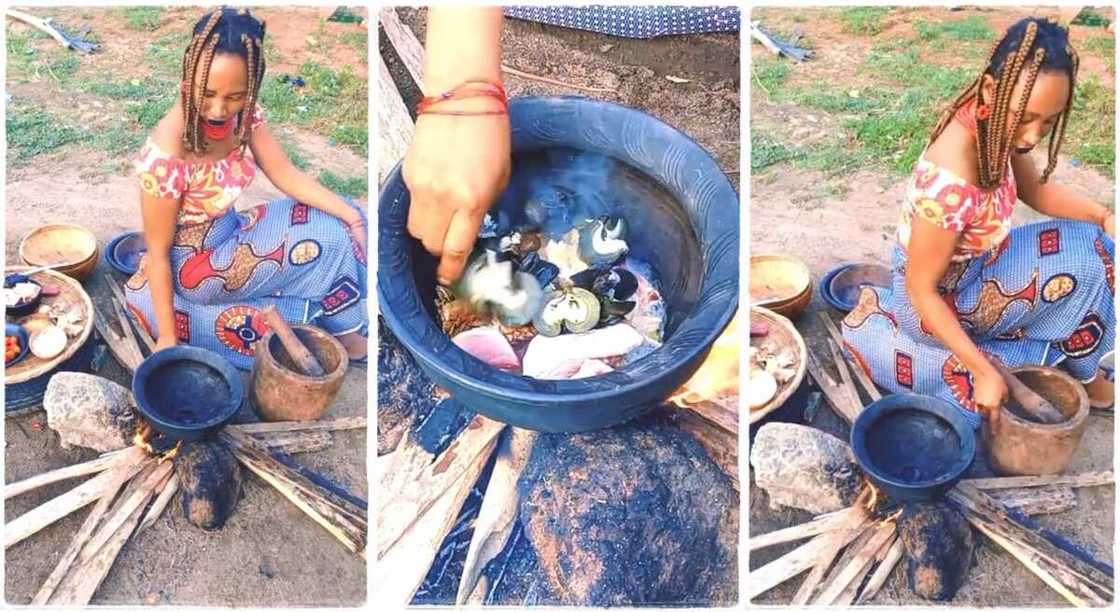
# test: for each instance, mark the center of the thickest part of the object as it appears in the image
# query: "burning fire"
(143, 438)
(718, 375)
(873, 497)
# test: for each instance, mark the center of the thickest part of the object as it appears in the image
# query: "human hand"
(165, 341)
(989, 392)
(358, 236)
(1109, 225)
(455, 169)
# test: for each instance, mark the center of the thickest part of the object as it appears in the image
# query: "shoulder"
(955, 151)
(168, 133)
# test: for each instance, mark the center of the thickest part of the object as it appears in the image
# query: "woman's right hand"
(989, 392)
(455, 168)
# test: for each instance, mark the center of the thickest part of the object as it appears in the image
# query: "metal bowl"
(124, 251)
(186, 392)
(913, 447)
(684, 221)
(13, 329)
(71, 249)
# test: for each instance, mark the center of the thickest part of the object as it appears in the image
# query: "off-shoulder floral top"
(206, 189)
(940, 196)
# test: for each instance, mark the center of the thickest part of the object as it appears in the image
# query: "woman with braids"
(209, 269)
(970, 290)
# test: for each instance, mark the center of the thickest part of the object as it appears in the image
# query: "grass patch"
(766, 151)
(352, 186)
(1092, 126)
(1089, 17)
(292, 151)
(771, 72)
(165, 54)
(359, 41)
(866, 20)
(33, 131)
(1105, 48)
(143, 18)
(332, 101)
(972, 28)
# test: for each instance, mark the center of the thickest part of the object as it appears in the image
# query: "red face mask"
(218, 132)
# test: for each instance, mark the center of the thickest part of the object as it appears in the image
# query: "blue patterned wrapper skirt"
(280, 253)
(1043, 297)
(633, 21)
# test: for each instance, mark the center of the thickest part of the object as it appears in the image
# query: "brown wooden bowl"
(782, 332)
(781, 283)
(71, 248)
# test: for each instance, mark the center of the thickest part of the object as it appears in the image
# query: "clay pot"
(1022, 447)
(278, 392)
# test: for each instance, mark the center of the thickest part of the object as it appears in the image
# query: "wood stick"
(882, 534)
(122, 473)
(824, 561)
(543, 79)
(787, 566)
(822, 524)
(282, 426)
(1084, 479)
(120, 349)
(850, 592)
(861, 376)
(340, 517)
(402, 568)
(126, 328)
(401, 508)
(140, 329)
(833, 392)
(395, 128)
(131, 455)
(498, 513)
(1037, 500)
(883, 572)
(84, 494)
(149, 480)
(297, 442)
(405, 43)
(845, 376)
(41, 25)
(1031, 562)
(304, 359)
(168, 490)
(1027, 398)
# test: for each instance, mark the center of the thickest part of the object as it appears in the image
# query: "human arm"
(298, 185)
(456, 166)
(159, 216)
(1056, 200)
(930, 254)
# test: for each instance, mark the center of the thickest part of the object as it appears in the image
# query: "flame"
(718, 375)
(873, 498)
(144, 434)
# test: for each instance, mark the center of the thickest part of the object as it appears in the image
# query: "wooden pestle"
(303, 357)
(1032, 402)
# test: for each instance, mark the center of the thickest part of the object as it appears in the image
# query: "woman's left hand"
(359, 238)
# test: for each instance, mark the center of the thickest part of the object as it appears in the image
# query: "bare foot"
(357, 345)
(1102, 392)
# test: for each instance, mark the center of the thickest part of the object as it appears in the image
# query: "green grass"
(33, 131)
(1092, 127)
(1088, 17)
(867, 20)
(359, 41)
(143, 18)
(972, 28)
(332, 101)
(771, 72)
(1105, 47)
(292, 151)
(353, 186)
(165, 54)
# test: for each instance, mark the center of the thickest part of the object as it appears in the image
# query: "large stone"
(90, 411)
(633, 515)
(804, 468)
(209, 483)
(939, 545)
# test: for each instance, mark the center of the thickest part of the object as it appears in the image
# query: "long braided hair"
(1030, 46)
(225, 30)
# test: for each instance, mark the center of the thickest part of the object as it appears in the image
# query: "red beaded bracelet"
(473, 88)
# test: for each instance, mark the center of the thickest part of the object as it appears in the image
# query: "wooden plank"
(394, 124)
(882, 572)
(405, 43)
(861, 376)
(789, 565)
(105, 462)
(822, 524)
(1084, 479)
(835, 394)
(281, 426)
(148, 485)
(119, 293)
(863, 557)
(401, 568)
(828, 555)
(1037, 500)
(845, 375)
(401, 508)
(165, 494)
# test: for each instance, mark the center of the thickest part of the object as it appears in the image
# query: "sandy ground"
(269, 553)
(789, 215)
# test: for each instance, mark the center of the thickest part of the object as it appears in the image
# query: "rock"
(938, 543)
(90, 411)
(804, 468)
(209, 483)
(633, 515)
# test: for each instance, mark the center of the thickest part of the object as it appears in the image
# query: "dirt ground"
(790, 214)
(269, 553)
(707, 108)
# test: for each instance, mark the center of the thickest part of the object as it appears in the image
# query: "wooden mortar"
(278, 392)
(1023, 447)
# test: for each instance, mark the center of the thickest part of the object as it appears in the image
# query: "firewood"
(789, 565)
(1084, 479)
(140, 329)
(80, 496)
(848, 596)
(863, 557)
(119, 347)
(296, 441)
(861, 375)
(304, 359)
(402, 568)
(401, 508)
(340, 517)
(836, 395)
(498, 513)
(824, 561)
(166, 492)
(1037, 500)
(282, 426)
(405, 43)
(822, 524)
(121, 474)
(131, 454)
(883, 571)
(147, 482)
(845, 375)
